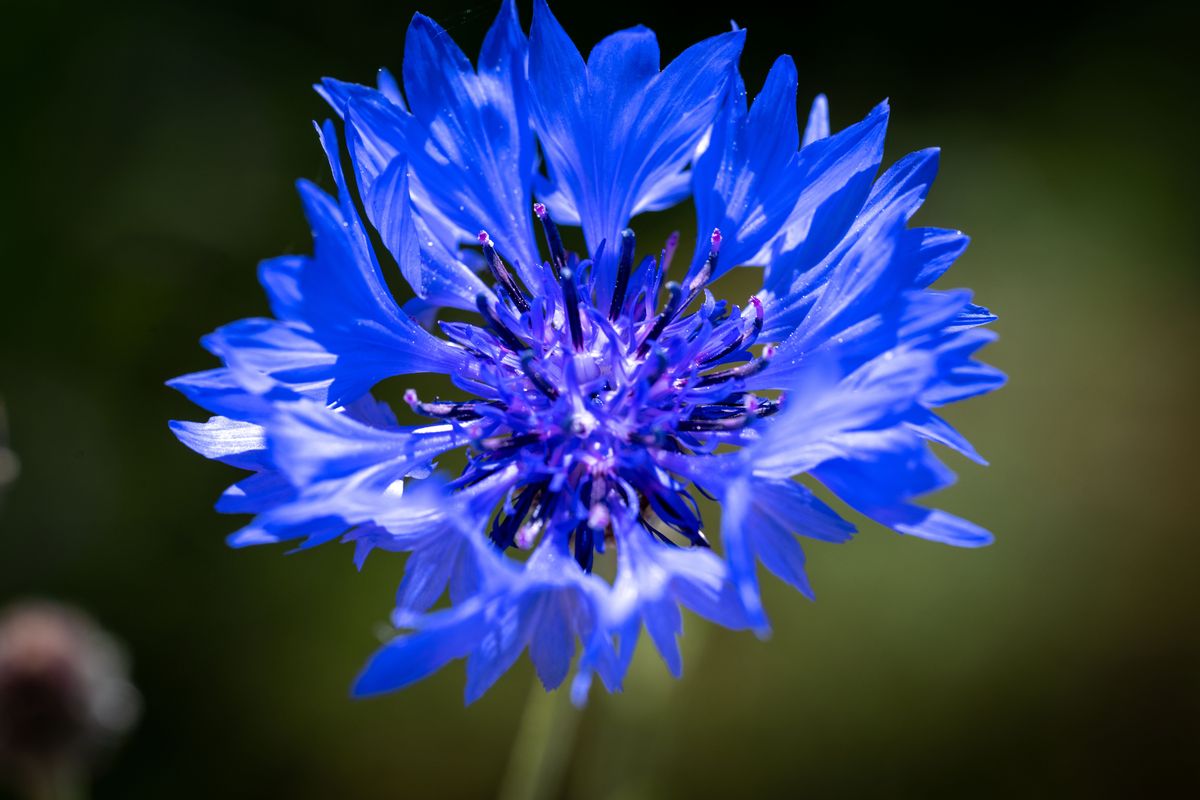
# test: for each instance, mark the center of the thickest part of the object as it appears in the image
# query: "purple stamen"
(624, 265)
(745, 339)
(664, 319)
(466, 411)
(558, 254)
(539, 382)
(501, 274)
(708, 269)
(669, 250)
(506, 337)
(571, 307)
(584, 552)
(752, 367)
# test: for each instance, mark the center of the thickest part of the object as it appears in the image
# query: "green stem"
(631, 765)
(542, 747)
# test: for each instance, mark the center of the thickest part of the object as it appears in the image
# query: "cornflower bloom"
(596, 394)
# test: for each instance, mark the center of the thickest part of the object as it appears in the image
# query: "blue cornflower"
(595, 395)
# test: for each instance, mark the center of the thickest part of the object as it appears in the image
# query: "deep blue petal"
(343, 332)
(903, 186)
(220, 392)
(434, 272)
(601, 179)
(817, 126)
(552, 646)
(747, 182)
(259, 492)
(932, 427)
(815, 416)
(664, 623)
(470, 140)
(836, 173)
(884, 472)
(312, 444)
(654, 579)
(960, 376)
(736, 521)
(883, 468)
(410, 657)
(939, 250)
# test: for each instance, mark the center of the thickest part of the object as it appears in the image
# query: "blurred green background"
(150, 151)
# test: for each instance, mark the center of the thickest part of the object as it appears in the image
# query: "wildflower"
(65, 695)
(597, 394)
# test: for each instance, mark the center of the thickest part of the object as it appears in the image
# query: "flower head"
(65, 694)
(597, 393)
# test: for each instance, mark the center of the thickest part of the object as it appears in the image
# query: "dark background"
(149, 155)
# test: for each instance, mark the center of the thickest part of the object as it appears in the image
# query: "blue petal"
(313, 444)
(967, 380)
(882, 468)
(427, 573)
(903, 187)
(817, 126)
(664, 623)
(240, 444)
(746, 182)
(972, 316)
(262, 353)
(343, 331)
(836, 173)
(737, 517)
(873, 272)
(434, 272)
(809, 429)
(259, 532)
(546, 608)
(259, 492)
(932, 427)
(782, 555)
(280, 277)
(340, 94)
(939, 250)
(552, 645)
(654, 579)
(935, 525)
(787, 506)
(864, 303)
(220, 392)
(441, 532)
(498, 648)
(960, 376)
(408, 658)
(882, 472)
(470, 138)
(760, 520)
(603, 179)
(389, 88)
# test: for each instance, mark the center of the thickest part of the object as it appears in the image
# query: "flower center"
(585, 381)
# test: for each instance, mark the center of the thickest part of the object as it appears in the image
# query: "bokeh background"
(149, 154)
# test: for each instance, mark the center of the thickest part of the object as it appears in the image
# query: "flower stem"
(542, 747)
